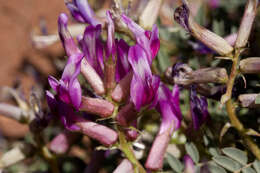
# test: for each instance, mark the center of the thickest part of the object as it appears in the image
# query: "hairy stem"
(231, 108)
(129, 154)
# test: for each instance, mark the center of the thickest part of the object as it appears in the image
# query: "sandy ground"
(17, 20)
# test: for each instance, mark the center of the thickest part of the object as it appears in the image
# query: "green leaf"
(163, 60)
(174, 163)
(256, 165)
(215, 169)
(248, 170)
(257, 99)
(192, 151)
(236, 154)
(227, 163)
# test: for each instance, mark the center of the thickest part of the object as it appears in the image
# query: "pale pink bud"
(103, 134)
(250, 65)
(92, 77)
(61, 143)
(124, 166)
(155, 158)
(97, 106)
(248, 100)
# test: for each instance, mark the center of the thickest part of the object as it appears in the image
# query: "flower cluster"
(121, 80)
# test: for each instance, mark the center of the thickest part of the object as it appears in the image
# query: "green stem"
(126, 148)
(231, 108)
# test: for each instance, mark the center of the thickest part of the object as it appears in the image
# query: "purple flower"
(73, 122)
(82, 12)
(199, 108)
(148, 40)
(122, 65)
(111, 47)
(144, 84)
(68, 87)
(167, 103)
(93, 48)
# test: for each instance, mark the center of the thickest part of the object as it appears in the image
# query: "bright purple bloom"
(111, 47)
(122, 65)
(76, 123)
(167, 103)
(82, 12)
(68, 87)
(144, 84)
(149, 40)
(199, 108)
(93, 48)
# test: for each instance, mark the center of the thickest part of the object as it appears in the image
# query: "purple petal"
(66, 38)
(144, 85)
(169, 107)
(181, 15)
(199, 109)
(54, 83)
(93, 48)
(111, 48)
(139, 62)
(82, 12)
(155, 42)
(148, 40)
(122, 65)
(75, 12)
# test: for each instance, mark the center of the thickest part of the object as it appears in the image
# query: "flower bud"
(250, 65)
(92, 77)
(150, 13)
(183, 75)
(156, 154)
(97, 106)
(209, 75)
(124, 166)
(248, 100)
(246, 23)
(103, 134)
(210, 39)
(61, 143)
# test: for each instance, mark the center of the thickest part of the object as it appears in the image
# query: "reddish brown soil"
(17, 20)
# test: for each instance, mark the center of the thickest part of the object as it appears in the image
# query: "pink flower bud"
(103, 134)
(248, 100)
(156, 154)
(92, 77)
(124, 166)
(97, 106)
(61, 143)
